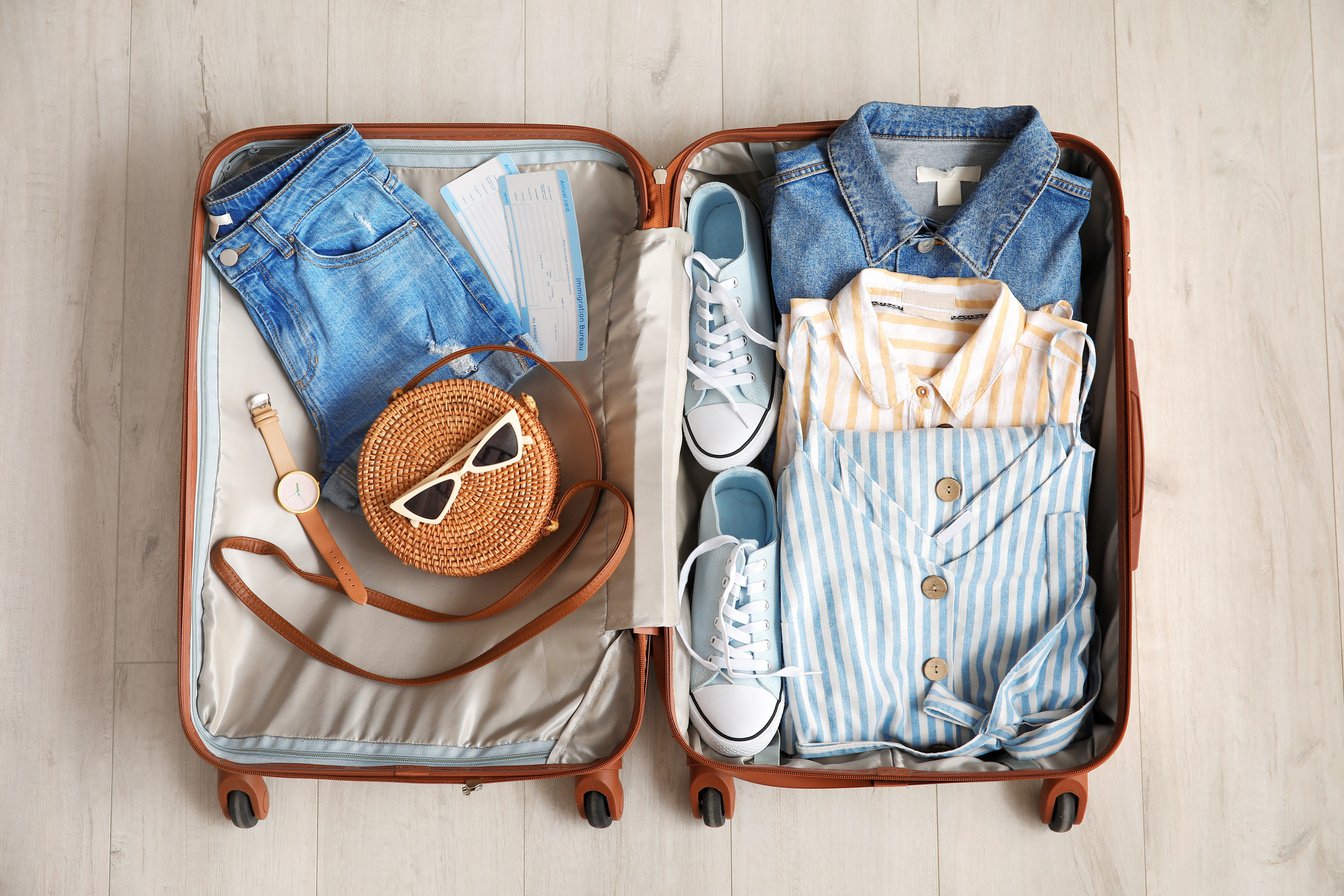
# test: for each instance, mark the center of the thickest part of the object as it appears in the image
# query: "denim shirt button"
(925, 246)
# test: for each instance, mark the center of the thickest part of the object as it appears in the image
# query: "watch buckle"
(258, 401)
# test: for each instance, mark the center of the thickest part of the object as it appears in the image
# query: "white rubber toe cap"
(736, 719)
(719, 438)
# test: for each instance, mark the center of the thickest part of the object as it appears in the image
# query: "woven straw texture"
(497, 517)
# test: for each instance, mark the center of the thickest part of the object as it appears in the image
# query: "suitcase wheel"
(599, 795)
(712, 795)
(1063, 802)
(1064, 812)
(711, 807)
(243, 799)
(240, 810)
(596, 810)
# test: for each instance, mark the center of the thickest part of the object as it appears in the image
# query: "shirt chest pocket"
(355, 222)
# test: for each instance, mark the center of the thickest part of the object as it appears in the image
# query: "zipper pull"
(471, 785)
(660, 175)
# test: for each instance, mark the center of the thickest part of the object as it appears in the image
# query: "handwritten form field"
(547, 262)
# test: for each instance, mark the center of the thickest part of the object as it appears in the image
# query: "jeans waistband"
(274, 197)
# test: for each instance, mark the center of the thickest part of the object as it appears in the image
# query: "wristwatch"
(297, 491)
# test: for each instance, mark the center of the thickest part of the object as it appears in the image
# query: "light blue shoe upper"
(740, 503)
(726, 228)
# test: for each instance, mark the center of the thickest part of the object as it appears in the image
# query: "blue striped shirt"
(861, 529)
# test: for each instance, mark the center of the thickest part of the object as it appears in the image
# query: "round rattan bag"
(495, 516)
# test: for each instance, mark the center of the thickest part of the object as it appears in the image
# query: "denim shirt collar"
(981, 227)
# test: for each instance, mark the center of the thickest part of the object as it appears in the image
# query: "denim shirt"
(854, 201)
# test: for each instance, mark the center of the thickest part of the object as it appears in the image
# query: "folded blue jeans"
(357, 285)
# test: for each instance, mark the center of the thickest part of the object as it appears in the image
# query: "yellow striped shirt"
(896, 351)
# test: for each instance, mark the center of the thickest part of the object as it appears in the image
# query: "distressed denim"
(853, 201)
(357, 285)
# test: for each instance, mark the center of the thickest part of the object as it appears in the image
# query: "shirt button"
(925, 246)
(228, 258)
(935, 669)
(948, 489)
(922, 391)
(934, 587)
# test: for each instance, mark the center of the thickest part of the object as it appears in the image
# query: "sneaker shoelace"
(740, 637)
(718, 354)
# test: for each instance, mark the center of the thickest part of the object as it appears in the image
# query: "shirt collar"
(982, 226)
(881, 369)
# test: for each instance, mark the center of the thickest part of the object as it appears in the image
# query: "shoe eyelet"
(753, 378)
(749, 360)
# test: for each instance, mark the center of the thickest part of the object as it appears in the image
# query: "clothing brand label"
(949, 182)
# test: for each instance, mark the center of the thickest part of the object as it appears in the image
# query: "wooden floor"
(1226, 119)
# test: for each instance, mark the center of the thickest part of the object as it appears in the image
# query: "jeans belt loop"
(268, 233)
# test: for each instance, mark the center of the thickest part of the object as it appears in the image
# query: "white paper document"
(475, 202)
(547, 263)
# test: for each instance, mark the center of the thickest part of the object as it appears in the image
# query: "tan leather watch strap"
(267, 421)
(325, 542)
(390, 604)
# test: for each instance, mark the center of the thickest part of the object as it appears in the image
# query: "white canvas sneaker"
(737, 696)
(733, 390)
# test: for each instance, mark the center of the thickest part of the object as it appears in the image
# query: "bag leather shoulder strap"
(387, 603)
(390, 604)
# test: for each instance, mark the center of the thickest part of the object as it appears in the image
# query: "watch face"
(297, 491)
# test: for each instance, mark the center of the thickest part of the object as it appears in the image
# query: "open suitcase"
(567, 703)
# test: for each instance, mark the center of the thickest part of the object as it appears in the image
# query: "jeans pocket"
(354, 222)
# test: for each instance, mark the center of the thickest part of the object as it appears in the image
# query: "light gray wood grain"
(991, 838)
(1239, 654)
(63, 94)
(567, 61)
(425, 60)
(169, 835)
(190, 88)
(629, 68)
(1327, 26)
(1056, 55)
(657, 848)
(1060, 59)
(835, 842)
(664, 74)
(804, 61)
(407, 838)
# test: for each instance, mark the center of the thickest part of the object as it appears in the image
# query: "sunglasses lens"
(429, 502)
(500, 448)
